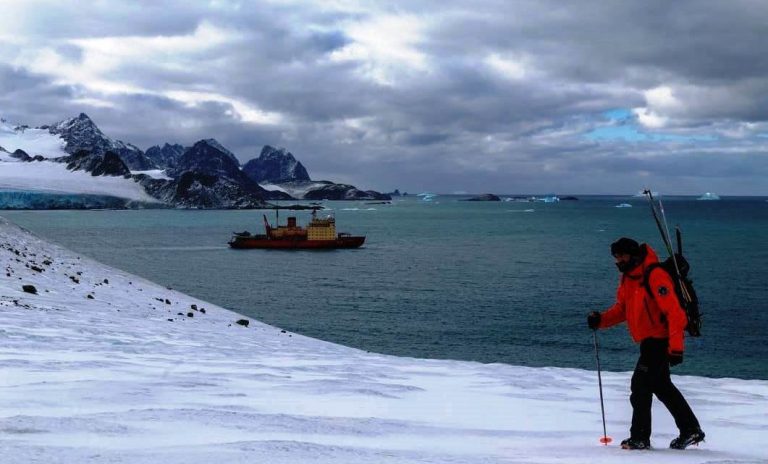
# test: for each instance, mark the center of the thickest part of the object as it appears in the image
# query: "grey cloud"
(457, 125)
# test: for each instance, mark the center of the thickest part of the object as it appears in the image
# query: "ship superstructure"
(319, 233)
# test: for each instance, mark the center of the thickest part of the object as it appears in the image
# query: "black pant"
(651, 377)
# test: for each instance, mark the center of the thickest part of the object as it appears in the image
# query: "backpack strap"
(647, 277)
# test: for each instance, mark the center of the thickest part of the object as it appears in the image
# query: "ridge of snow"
(111, 379)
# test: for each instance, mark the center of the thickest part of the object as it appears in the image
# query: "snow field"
(127, 376)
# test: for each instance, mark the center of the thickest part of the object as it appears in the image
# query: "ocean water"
(501, 282)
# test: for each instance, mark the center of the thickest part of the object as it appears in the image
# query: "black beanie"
(625, 246)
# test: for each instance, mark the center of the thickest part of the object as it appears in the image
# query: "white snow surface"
(53, 177)
(154, 173)
(111, 379)
(33, 141)
(296, 189)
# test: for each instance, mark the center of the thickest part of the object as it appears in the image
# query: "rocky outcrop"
(343, 192)
(208, 157)
(21, 155)
(484, 197)
(198, 190)
(108, 164)
(275, 165)
(81, 133)
(208, 175)
(166, 156)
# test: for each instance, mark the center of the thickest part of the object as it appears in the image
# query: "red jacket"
(657, 316)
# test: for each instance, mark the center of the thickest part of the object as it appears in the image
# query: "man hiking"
(656, 321)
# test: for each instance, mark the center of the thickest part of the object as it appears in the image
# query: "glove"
(675, 358)
(593, 320)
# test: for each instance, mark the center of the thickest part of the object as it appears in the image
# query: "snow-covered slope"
(50, 176)
(53, 177)
(102, 366)
(32, 141)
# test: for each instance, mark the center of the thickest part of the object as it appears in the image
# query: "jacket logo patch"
(663, 290)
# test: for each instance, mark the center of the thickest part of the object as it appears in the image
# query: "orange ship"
(319, 234)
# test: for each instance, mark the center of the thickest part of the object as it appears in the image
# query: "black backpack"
(686, 295)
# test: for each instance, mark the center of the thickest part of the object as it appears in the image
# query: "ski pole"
(605, 439)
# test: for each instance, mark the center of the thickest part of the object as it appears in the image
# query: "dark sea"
(494, 282)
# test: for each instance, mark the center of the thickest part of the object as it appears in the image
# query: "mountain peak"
(275, 165)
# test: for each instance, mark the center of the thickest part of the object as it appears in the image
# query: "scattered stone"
(170, 320)
(37, 269)
(282, 331)
(29, 289)
(190, 314)
(179, 314)
(106, 281)
(47, 262)
(74, 279)
(243, 322)
(79, 273)
(202, 310)
(90, 297)
(194, 306)
(167, 301)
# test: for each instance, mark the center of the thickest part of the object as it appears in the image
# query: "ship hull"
(292, 244)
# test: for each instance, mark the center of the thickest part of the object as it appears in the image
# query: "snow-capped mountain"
(208, 175)
(81, 133)
(205, 175)
(275, 165)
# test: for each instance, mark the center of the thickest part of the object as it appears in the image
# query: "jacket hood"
(650, 258)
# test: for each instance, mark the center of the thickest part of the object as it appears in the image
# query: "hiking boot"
(635, 444)
(687, 439)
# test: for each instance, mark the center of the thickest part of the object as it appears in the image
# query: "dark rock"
(193, 306)
(106, 281)
(202, 310)
(275, 165)
(90, 297)
(167, 301)
(170, 320)
(107, 164)
(179, 314)
(197, 190)
(484, 197)
(207, 157)
(166, 156)
(343, 192)
(243, 322)
(190, 314)
(21, 155)
(37, 269)
(29, 289)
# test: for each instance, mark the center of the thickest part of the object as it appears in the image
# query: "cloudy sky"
(422, 95)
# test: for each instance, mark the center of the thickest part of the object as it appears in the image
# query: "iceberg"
(709, 196)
